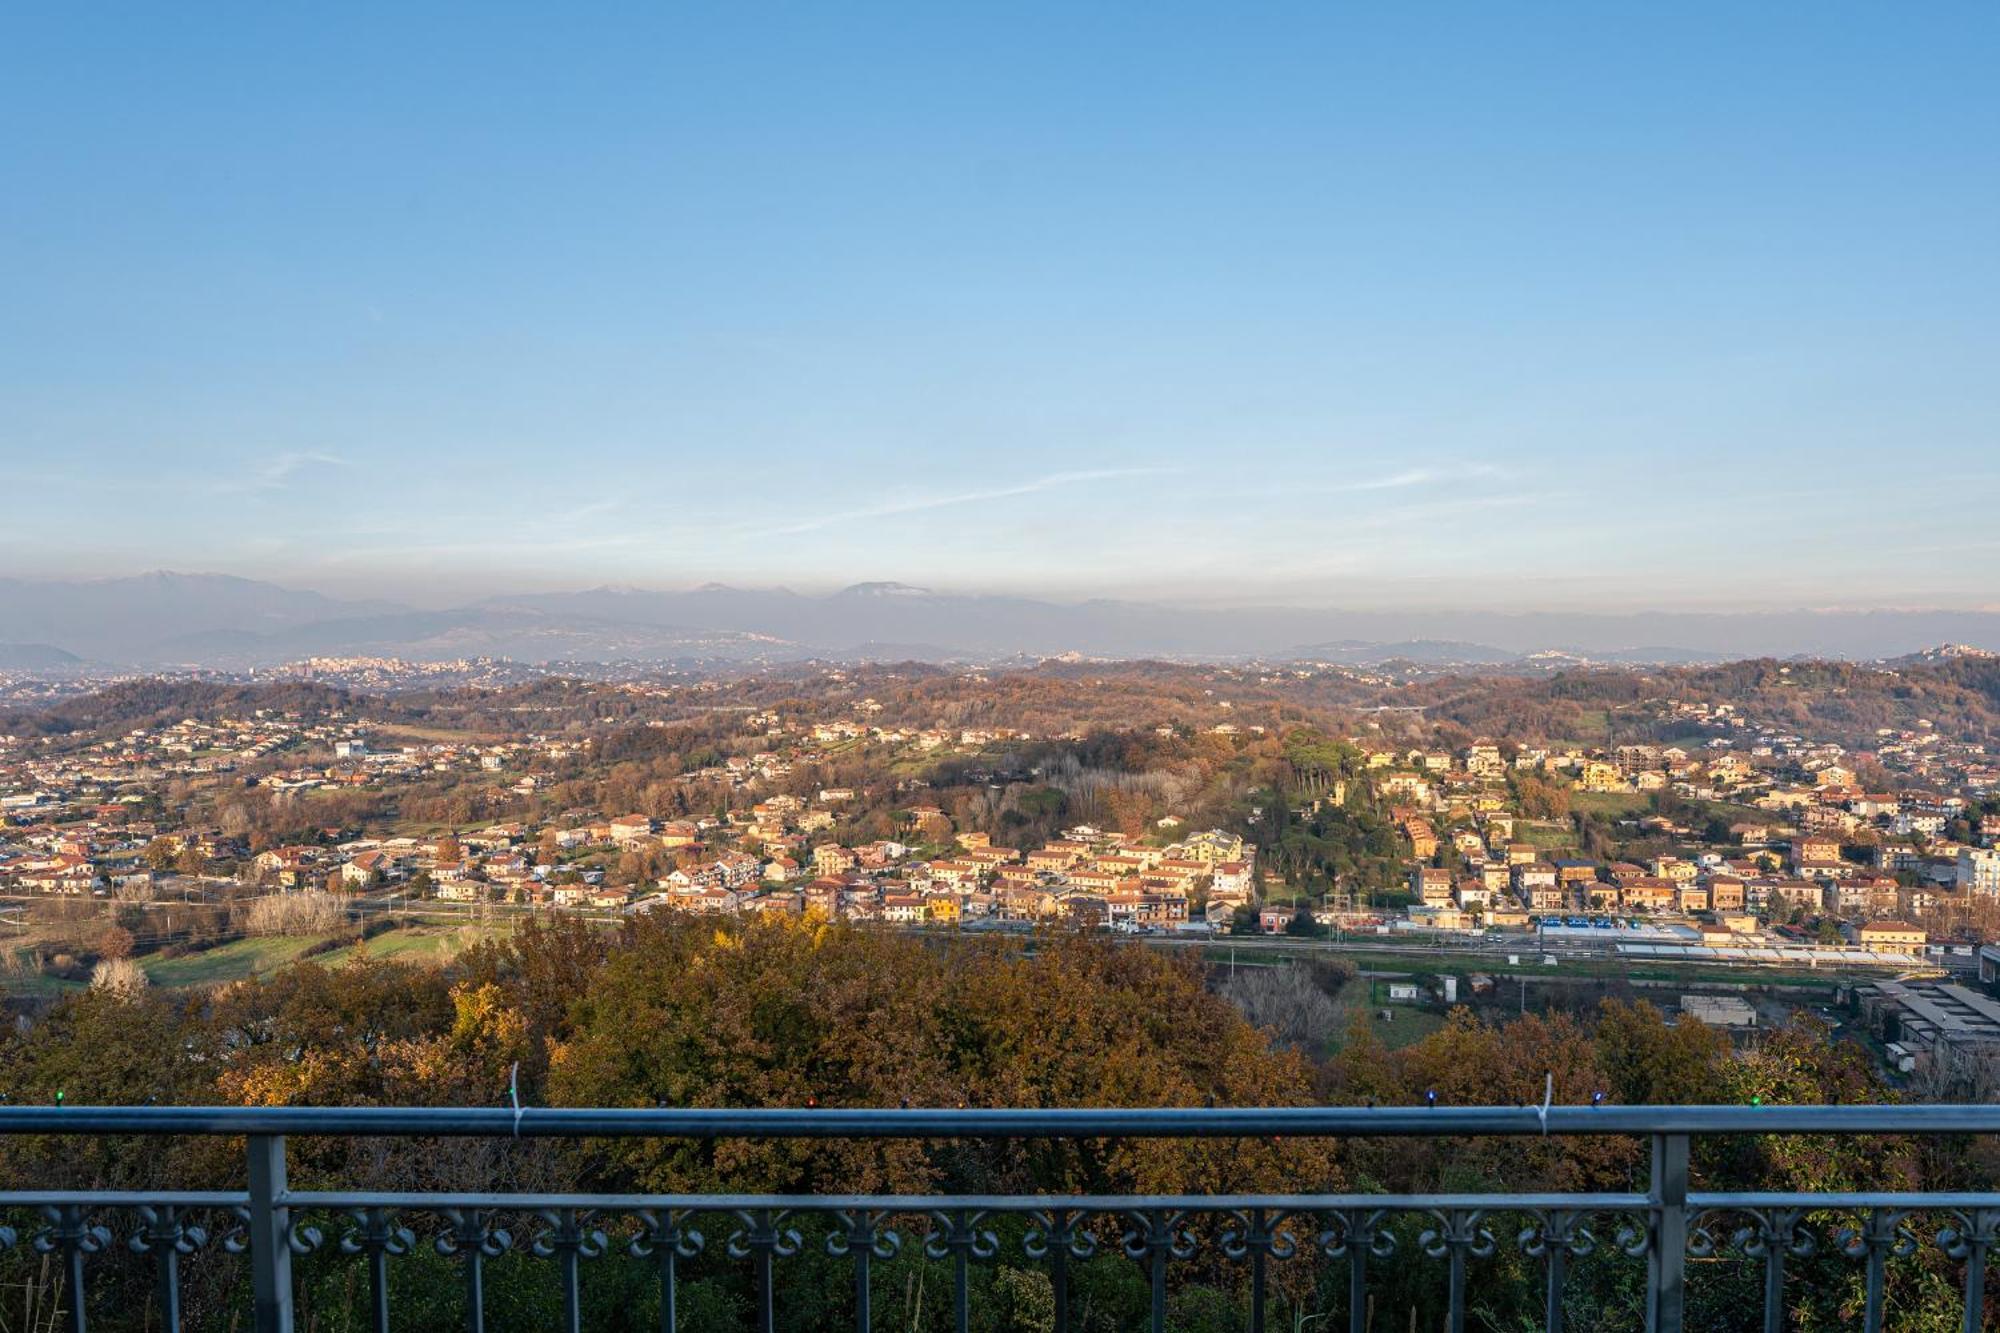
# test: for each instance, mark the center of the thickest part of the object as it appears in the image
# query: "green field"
(239, 960)
(413, 945)
(227, 962)
(1548, 839)
(1612, 804)
(1739, 814)
(1592, 725)
(35, 983)
(1368, 999)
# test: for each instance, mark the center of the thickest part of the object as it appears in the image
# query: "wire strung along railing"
(1360, 1239)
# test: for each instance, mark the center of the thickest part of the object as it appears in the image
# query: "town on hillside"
(157, 820)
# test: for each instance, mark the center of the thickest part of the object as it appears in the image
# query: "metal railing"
(270, 1223)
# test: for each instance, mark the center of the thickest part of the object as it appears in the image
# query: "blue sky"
(1471, 305)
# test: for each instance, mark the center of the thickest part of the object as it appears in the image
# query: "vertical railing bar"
(961, 1259)
(1666, 1267)
(569, 1256)
(1555, 1236)
(1777, 1240)
(1059, 1237)
(77, 1318)
(862, 1241)
(767, 1313)
(378, 1287)
(1880, 1234)
(161, 1231)
(1357, 1271)
(377, 1236)
(1159, 1226)
(661, 1238)
(1257, 1255)
(1979, 1225)
(670, 1314)
(1455, 1317)
(1975, 1290)
(475, 1291)
(169, 1283)
(270, 1235)
(471, 1227)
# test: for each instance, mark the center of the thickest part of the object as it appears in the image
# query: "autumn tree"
(160, 853)
(1540, 799)
(114, 942)
(771, 1012)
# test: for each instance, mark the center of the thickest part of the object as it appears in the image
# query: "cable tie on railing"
(514, 1091)
(1548, 1095)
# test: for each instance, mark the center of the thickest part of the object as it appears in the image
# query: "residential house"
(1814, 851)
(1648, 893)
(1888, 937)
(630, 828)
(1431, 885)
(830, 858)
(1725, 894)
(1533, 875)
(1231, 882)
(1978, 870)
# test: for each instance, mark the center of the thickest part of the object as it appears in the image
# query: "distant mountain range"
(130, 620)
(164, 619)
(1423, 652)
(36, 657)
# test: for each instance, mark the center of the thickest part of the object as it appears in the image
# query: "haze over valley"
(216, 621)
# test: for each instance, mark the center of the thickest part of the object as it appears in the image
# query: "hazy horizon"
(226, 622)
(435, 595)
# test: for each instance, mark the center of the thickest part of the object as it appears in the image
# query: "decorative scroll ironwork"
(1252, 1232)
(666, 1239)
(375, 1232)
(1358, 1232)
(162, 1227)
(1668, 1224)
(69, 1230)
(1058, 1231)
(1154, 1232)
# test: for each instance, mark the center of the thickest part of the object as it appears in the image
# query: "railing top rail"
(992, 1203)
(125, 1198)
(1010, 1123)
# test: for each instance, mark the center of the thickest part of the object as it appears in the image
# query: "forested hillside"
(671, 1011)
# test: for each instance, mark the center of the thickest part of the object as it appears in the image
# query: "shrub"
(294, 914)
(120, 976)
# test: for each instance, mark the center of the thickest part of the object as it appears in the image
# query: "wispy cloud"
(1399, 481)
(1948, 548)
(1429, 475)
(1410, 478)
(1399, 515)
(1055, 481)
(498, 548)
(584, 512)
(276, 473)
